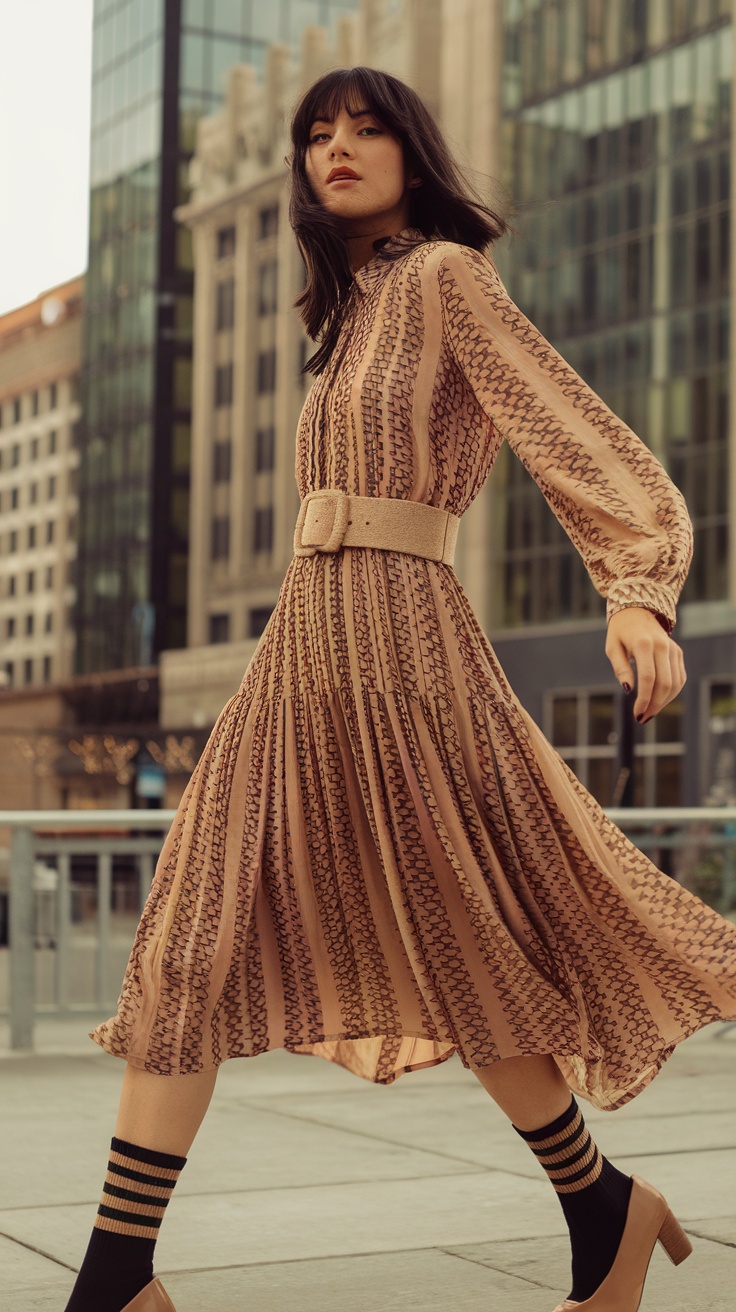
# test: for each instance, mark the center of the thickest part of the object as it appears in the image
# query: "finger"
(663, 686)
(620, 664)
(683, 672)
(675, 670)
(646, 678)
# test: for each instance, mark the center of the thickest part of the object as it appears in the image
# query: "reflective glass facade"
(617, 123)
(158, 65)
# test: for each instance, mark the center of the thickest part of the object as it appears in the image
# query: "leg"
(594, 1195)
(158, 1117)
(530, 1090)
(163, 1112)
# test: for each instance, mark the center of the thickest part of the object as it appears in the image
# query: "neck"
(361, 244)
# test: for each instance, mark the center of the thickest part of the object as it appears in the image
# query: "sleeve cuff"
(656, 597)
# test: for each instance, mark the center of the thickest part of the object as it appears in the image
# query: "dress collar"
(376, 268)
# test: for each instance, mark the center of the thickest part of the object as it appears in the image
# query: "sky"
(45, 86)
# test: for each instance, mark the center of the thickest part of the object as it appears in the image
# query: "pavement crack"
(391, 1143)
(492, 1266)
(712, 1239)
(41, 1252)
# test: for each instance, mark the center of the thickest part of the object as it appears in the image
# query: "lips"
(342, 173)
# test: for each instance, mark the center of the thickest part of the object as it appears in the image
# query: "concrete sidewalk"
(309, 1190)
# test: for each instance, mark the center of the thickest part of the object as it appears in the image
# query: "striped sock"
(593, 1193)
(119, 1259)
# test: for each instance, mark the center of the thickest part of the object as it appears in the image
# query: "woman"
(379, 859)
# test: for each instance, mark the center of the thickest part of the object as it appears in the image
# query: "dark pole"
(623, 788)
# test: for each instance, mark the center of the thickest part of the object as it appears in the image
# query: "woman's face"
(361, 146)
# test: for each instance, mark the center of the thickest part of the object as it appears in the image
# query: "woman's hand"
(634, 633)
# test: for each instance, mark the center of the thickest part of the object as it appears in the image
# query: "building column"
(731, 577)
(471, 115)
(201, 461)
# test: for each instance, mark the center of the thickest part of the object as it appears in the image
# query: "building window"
(718, 755)
(49, 530)
(263, 528)
(13, 540)
(52, 442)
(225, 243)
(14, 498)
(268, 222)
(265, 444)
(219, 628)
(266, 371)
(15, 455)
(49, 576)
(34, 448)
(34, 403)
(225, 304)
(31, 535)
(222, 461)
(267, 287)
(10, 672)
(52, 486)
(29, 624)
(583, 727)
(48, 621)
(224, 384)
(10, 627)
(258, 618)
(52, 397)
(47, 669)
(11, 585)
(220, 537)
(31, 581)
(28, 671)
(16, 410)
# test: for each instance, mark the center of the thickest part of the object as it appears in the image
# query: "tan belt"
(330, 519)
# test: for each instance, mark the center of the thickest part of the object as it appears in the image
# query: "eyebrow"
(358, 113)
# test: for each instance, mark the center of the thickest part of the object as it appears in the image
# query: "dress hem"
(310, 1048)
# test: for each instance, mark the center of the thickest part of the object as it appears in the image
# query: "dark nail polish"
(626, 687)
(640, 719)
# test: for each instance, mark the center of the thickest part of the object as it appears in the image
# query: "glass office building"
(617, 142)
(158, 65)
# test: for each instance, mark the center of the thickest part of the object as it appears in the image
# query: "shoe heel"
(673, 1239)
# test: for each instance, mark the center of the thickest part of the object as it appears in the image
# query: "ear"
(415, 182)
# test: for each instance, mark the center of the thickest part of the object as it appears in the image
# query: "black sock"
(593, 1193)
(119, 1258)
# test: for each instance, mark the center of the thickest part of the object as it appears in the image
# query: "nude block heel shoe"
(648, 1219)
(673, 1239)
(152, 1298)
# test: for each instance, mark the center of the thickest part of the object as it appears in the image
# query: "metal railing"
(78, 881)
(38, 931)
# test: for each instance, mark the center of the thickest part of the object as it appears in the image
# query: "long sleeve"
(613, 497)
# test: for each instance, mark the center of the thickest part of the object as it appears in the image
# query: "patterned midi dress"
(379, 858)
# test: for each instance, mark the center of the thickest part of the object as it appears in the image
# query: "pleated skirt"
(380, 860)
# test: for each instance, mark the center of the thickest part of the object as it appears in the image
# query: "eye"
(316, 137)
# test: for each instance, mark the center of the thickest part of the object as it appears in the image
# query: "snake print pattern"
(379, 858)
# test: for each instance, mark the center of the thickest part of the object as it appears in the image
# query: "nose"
(338, 146)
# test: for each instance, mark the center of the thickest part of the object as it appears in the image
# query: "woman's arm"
(613, 497)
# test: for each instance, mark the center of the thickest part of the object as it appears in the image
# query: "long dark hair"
(446, 206)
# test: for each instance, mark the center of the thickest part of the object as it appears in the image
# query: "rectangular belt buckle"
(322, 521)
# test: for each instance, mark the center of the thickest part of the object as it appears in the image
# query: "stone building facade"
(39, 409)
